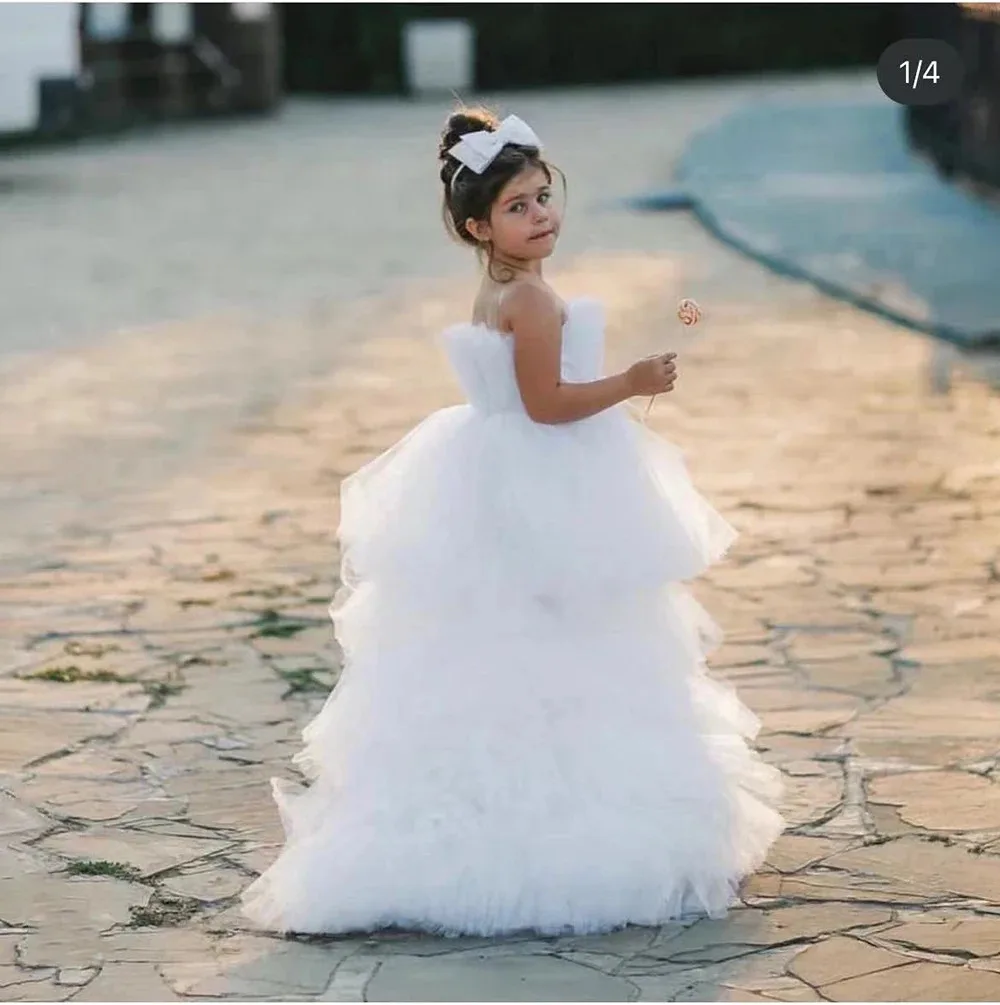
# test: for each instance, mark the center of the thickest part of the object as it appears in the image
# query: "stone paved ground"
(165, 633)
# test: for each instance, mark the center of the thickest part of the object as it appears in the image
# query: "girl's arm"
(534, 319)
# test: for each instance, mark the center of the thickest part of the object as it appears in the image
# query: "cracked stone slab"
(8, 946)
(76, 977)
(32, 734)
(351, 979)
(919, 982)
(127, 982)
(226, 921)
(165, 729)
(605, 963)
(978, 936)
(767, 571)
(241, 809)
(149, 853)
(472, 977)
(906, 576)
(624, 943)
(863, 676)
(786, 697)
(948, 651)
(810, 799)
(970, 680)
(90, 764)
(257, 966)
(793, 852)
(206, 885)
(940, 727)
(258, 856)
(122, 812)
(839, 958)
(926, 751)
(78, 696)
(12, 976)
(64, 909)
(392, 942)
(887, 821)
(747, 930)
(815, 647)
(18, 861)
(163, 945)
(806, 721)
(19, 820)
(930, 867)
(731, 980)
(784, 988)
(941, 800)
(88, 799)
(747, 654)
(32, 990)
(824, 885)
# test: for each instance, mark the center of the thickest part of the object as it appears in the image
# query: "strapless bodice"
(483, 358)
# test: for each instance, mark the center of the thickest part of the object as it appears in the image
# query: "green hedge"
(356, 47)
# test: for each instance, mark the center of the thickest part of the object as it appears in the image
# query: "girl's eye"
(517, 207)
(544, 197)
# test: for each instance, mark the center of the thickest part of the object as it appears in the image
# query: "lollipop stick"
(688, 314)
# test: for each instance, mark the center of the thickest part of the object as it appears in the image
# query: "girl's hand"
(653, 375)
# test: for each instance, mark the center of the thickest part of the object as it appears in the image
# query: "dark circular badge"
(920, 71)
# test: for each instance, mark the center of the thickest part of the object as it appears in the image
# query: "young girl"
(524, 736)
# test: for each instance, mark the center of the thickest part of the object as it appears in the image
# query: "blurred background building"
(962, 137)
(71, 69)
(362, 47)
(81, 67)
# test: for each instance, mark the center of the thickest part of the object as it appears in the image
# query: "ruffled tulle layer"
(471, 505)
(524, 736)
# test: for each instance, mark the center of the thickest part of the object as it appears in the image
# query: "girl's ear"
(479, 229)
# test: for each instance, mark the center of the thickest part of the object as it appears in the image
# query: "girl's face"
(524, 221)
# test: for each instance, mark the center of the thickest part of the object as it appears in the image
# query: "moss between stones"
(273, 625)
(158, 690)
(70, 673)
(303, 681)
(102, 867)
(164, 912)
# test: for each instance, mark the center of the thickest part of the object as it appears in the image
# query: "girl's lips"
(546, 233)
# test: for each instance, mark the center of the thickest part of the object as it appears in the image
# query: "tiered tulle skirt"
(524, 735)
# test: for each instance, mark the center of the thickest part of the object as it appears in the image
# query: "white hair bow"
(478, 150)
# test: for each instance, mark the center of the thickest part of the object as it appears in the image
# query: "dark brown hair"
(470, 195)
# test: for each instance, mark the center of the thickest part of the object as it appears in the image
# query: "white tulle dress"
(524, 735)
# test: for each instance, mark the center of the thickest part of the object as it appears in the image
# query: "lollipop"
(689, 314)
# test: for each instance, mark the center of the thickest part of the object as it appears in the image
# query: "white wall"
(36, 40)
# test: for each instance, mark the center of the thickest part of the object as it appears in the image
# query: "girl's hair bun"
(462, 121)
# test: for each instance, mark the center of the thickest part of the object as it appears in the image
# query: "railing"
(962, 137)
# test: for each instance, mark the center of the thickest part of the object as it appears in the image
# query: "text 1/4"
(928, 72)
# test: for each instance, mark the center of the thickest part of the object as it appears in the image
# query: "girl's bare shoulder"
(530, 301)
